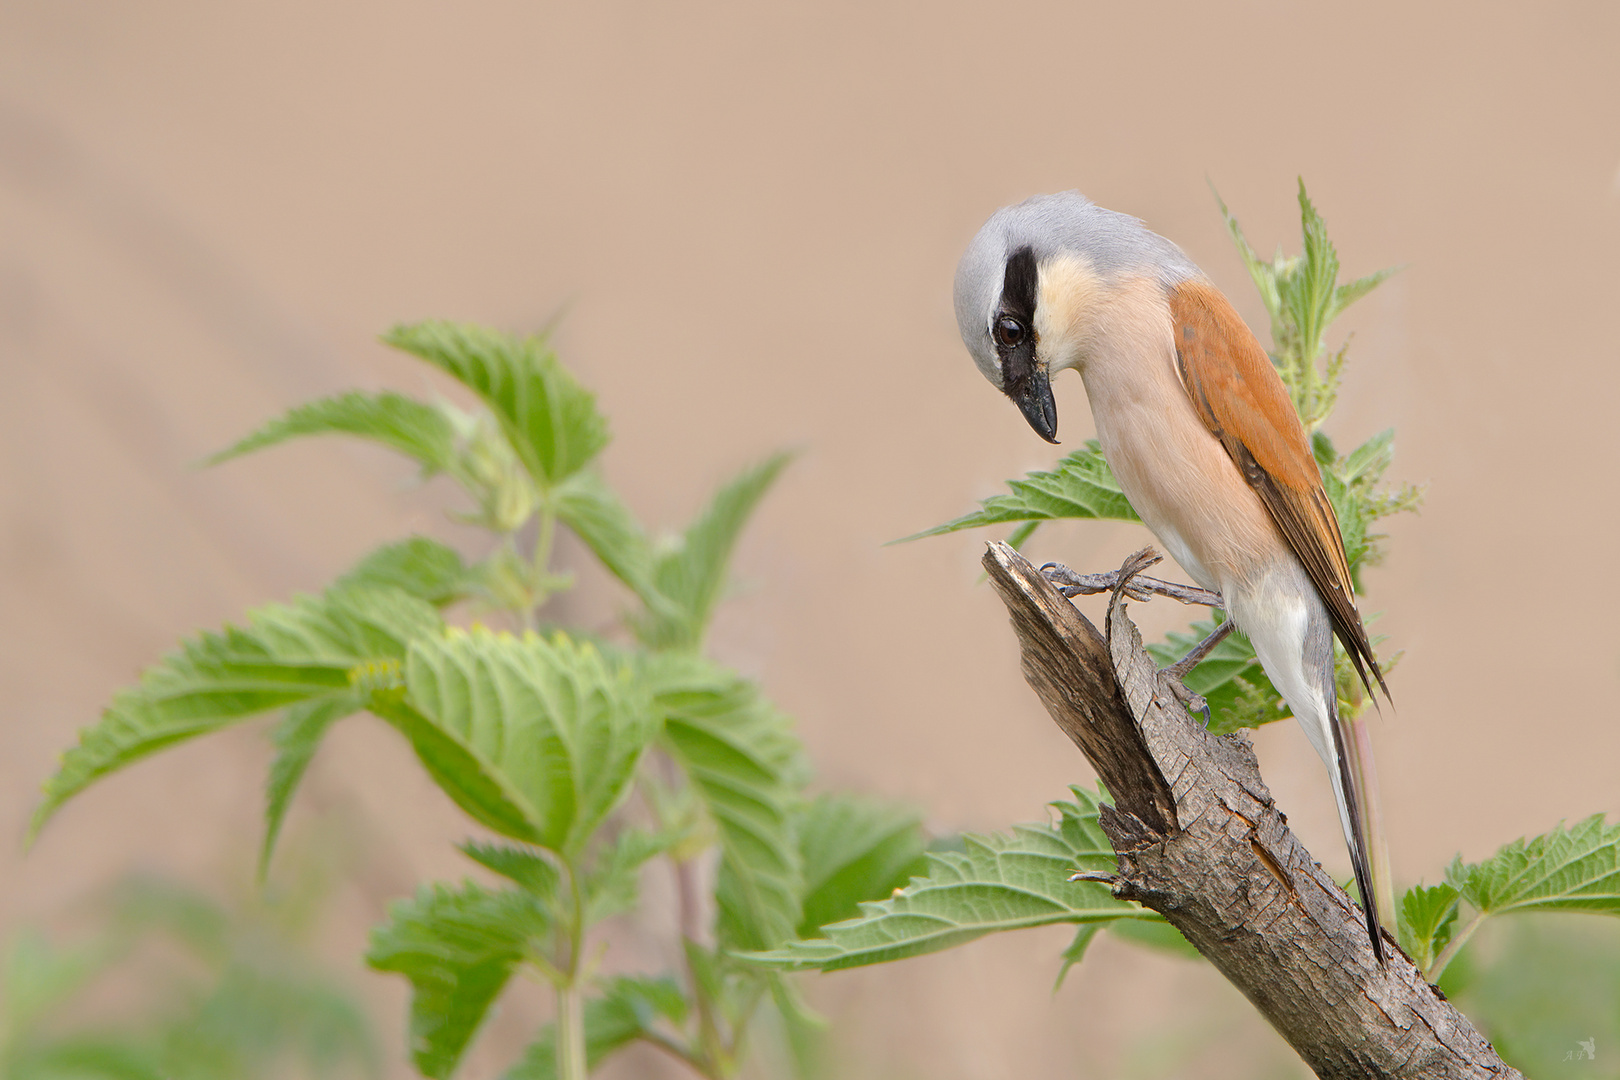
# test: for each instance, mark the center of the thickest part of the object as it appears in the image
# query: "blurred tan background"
(750, 219)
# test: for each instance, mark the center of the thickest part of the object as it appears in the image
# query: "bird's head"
(1033, 283)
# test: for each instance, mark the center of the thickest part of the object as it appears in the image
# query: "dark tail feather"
(1358, 840)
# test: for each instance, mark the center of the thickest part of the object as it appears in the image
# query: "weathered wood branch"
(1200, 841)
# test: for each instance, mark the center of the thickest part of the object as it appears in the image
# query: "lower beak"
(1034, 400)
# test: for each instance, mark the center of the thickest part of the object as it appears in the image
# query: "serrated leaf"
(424, 568)
(596, 515)
(997, 882)
(611, 886)
(287, 653)
(458, 947)
(549, 722)
(1309, 295)
(414, 428)
(854, 850)
(1261, 272)
(296, 738)
(1082, 486)
(1351, 291)
(481, 788)
(551, 421)
(692, 573)
(627, 1008)
(525, 866)
(1568, 869)
(741, 757)
(1426, 918)
(1230, 678)
(1368, 462)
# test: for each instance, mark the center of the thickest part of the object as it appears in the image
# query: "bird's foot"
(1176, 672)
(1191, 702)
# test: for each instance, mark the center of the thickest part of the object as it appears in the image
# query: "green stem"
(1449, 953)
(542, 563)
(572, 1063)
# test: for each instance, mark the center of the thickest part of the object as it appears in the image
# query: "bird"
(1201, 434)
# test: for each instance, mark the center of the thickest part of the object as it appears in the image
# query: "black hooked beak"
(1028, 384)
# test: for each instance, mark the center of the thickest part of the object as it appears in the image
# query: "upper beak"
(1033, 395)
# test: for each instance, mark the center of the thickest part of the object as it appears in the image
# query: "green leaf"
(458, 947)
(479, 787)
(1230, 678)
(1568, 869)
(414, 428)
(1082, 486)
(692, 573)
(1310, 295)
(86, 1057)
(854, 850)
(424, 568)
(593, 511)
(1019, 536)
(1351, 291)
(525, 866)
(998, 882)
(296, 739)
(627, 1008)
(612, 885)
(1264, 274)
(1076, 951)
(740, 755)
(288, 653)
(1426, 918)
(551, 421)
(549, 724)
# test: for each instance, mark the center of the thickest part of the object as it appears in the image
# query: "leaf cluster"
(1571, 868)
(585, 757)
(995, 882)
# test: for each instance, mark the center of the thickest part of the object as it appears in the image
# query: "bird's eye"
(1009, 332)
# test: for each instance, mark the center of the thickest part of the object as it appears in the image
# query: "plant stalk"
(572, 1063)
(542, 581)
(1453, 947)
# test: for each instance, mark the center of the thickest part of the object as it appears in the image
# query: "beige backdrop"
(208, 211)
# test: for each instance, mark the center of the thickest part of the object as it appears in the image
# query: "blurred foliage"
(207, 992)
(1546, 992)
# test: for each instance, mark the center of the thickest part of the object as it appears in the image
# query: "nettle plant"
(584, 759)
(1019, 880)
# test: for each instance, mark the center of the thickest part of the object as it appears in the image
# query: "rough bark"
(1200, 841)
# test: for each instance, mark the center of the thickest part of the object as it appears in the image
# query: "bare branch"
(1200, 841)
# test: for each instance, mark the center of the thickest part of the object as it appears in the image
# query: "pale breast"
(1175, 472)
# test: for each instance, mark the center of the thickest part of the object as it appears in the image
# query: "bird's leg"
(1137, 587)
(1180, 668)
